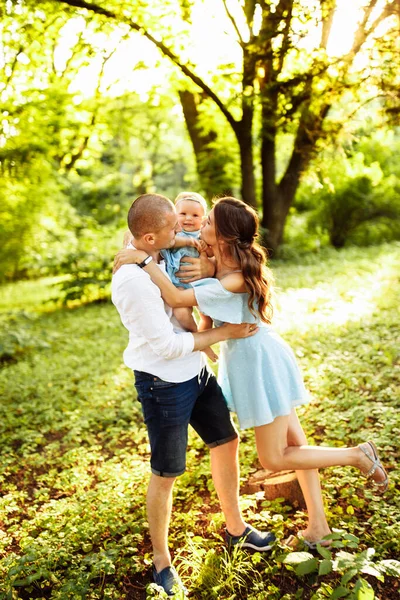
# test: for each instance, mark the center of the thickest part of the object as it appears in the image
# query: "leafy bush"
(89, 280)
(351, 195)
(348, 566)
(356, 203)
(17, 337)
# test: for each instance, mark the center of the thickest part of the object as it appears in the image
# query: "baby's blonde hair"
(194, 196)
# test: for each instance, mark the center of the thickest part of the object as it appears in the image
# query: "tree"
(212, 159)
(69, 160)
(293, 87)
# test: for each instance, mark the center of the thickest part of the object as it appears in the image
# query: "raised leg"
(276, 455)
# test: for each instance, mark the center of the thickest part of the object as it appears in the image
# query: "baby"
(191, 209)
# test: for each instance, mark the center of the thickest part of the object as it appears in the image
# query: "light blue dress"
(259, 376)
(173, 257)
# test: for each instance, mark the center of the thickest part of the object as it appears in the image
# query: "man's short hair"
(148, 214)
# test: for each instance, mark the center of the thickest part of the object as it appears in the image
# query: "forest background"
(292, 105)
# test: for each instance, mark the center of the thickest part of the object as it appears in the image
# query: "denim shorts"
(168, 409)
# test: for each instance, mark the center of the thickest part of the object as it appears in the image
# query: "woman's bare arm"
(173, 297)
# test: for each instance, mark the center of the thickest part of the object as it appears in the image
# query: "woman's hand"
(128, 257)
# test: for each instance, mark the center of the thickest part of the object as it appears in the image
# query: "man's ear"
(149, 238)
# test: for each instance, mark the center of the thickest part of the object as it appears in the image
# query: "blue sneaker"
(169, 579)
(251, 538)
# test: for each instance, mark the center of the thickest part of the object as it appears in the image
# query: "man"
(175, 388)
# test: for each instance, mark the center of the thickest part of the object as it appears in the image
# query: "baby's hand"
(128, 237)
(200, 245)
(211, 354)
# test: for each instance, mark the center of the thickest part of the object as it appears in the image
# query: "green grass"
(74, 452)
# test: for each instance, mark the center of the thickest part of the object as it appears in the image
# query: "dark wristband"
(145, 262)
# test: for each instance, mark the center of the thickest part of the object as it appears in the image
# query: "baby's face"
(190, 215)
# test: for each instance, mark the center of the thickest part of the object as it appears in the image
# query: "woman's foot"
(371, 466)
(310, 538)
(314, 536)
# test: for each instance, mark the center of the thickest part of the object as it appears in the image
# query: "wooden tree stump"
(283, 484)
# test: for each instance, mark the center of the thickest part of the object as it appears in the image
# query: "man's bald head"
(148, 214)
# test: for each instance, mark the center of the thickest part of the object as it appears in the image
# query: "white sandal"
(296, 541)
(372, 454)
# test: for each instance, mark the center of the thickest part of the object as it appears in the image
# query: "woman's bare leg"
(310, 486)
(276, 455)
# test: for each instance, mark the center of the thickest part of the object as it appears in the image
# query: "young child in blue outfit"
(192, 210)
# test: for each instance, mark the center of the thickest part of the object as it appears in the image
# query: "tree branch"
(162, 47)
(77, 154)
(362, 33)
(232, 20)
(328, 13)
(285, 42)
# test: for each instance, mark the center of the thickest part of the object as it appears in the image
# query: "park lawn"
(74, 452)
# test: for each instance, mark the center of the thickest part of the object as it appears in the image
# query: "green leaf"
(363, 590)
(325, 567)
(371, 570)
(309, 566)
(295, 558)
(340, 592)
(351, 538)
(324, 552)
(390, 566)
(348, 575)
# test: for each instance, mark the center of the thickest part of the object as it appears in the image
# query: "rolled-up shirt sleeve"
(144, 314)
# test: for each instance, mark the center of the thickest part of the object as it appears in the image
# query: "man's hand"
(197, 269)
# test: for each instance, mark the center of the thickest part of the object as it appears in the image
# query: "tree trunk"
(248, 188)
(210, 160)
(277, 199)
(275, 211)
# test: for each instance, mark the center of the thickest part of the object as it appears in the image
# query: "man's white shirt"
(157, 342)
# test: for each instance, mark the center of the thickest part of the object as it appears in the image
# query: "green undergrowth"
(74, 451)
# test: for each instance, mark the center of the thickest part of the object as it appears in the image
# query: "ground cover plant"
(74, 452)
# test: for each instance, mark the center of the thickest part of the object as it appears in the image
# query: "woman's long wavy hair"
(236, 224)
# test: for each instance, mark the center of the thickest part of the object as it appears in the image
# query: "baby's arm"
(182, 242)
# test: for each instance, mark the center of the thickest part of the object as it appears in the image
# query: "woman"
(259, 375)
